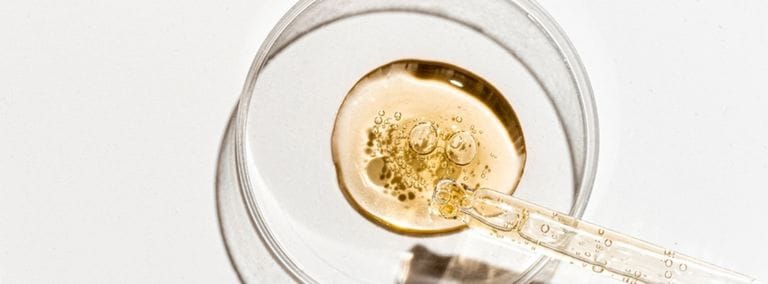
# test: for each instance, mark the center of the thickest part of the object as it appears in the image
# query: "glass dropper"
(571, 240)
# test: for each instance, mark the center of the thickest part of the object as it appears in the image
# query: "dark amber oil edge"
(474, 86)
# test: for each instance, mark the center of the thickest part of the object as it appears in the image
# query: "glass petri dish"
(282, 213)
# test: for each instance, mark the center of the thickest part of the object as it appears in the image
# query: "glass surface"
(278, 148)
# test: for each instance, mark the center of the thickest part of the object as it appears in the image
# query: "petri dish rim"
(555, 36)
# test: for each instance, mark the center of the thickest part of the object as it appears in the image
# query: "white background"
(111, 116)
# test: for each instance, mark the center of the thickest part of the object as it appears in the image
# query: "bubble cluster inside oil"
(407, 157)
(407, 125)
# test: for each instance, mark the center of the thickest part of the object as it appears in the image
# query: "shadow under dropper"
(426, 266)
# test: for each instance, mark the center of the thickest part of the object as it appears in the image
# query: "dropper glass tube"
(571, 240)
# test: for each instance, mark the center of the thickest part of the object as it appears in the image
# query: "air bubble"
(608, 243)
(381, 113)
(600, 232)
(597, 268)
(544, 228)
(423, 138)
(668, 263)
(668, 274)
(461, 148)
(378, 120)
(398, 115)
(683, 267)
(458, 119)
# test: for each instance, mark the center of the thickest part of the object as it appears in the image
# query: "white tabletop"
(111, 115)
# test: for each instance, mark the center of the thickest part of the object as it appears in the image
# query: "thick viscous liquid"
(408, 124)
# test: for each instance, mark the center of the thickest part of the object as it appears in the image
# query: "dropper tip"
(449, 198)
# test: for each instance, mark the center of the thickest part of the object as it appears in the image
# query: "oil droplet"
(423, 138)
(544, 228)
(668, 274)
(396, 191)
(608, 243)
(668, 263)
(597, 268)
(378, 120)
(637, 274)
(600, 232)
(587, 254)
(459, 119)
(461, 148)
(683, 267)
